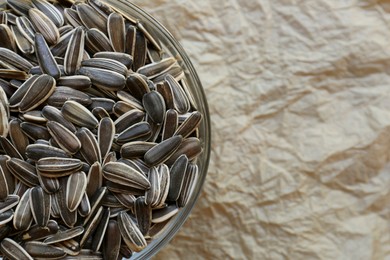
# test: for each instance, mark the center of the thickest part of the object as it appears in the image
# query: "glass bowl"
(170, 46)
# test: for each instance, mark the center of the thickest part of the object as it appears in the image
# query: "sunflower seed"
(50, 11)
(23, 171)
(129, 118)
(23, 215)
(44, 25)
(137, 86)
(106, 132)
(64, 235)
(68, 217)
(7, 38)
(3, 17)
(26, 28)
(13, 74)
(36, 152)
(106, 64)
(129, 99)
(35, 131)
(189, 125)
(190, 146)
(170, 124)
(176, 71)
(41, 250)
(178, 170)
(105, 79)
(13, 250)
(4, 126)
(53, 167)
(90, 18)
(116, 31)
(9, 178)
(97, 41)
(111, 246)
(154, 106)
(71, 247)
(53, 114)
(101, 230)
(164, 180)
(136, 149)
(78, 114)
(162, 151)
(95, 179)
(34, 116)
(6, 217)
(78, 82)
(189, 182)
(15, 59)
(4, 189)
(9, 148)
(23, 44)
(72, 17)
(131, 234)
(181, 102)
(40, 204)
(84, 207)
(120, 108)
(106, 104)
(139, 58)
(123, 174)
(37, 233)
(91, 226)
(143, 213)
(74, 52)
(123, 58)
(65, 138)
(155, 69)
(126, 200)
(10, 202)
(161, 215)
(154, 42)
(139, 131)
(124, 189)
(89, 147)
(20, 7)
(49, 185)
(59, 49)
(153, 194)
(46, 60)
(38, 92)
(77, 183)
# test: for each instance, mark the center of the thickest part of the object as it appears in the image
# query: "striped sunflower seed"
(63, 94)
(140, 50)
(139, 131)
(98, 236)
(162, 151)
(46, 60)
(74, 52)
(137, 85)
(89, 147)
(23, 44)
(181, 103)
(35, 152)
(136, 149)
(154, 106)
(40, 203)
(84, 207)
(123, 58)
(37, 233)
(6, 217)
(15, 59)
(189, 182)
(10, 202)
(4, 189)
(50, 11)
(125, 175)
(59, 49)
(153, 194)
(90, 18)
(72, 17)
(91, 226)
(26, 28)
(155, 69)
(67, 234)
(190, 146)
(23, 216)
(13, 250)
(41, 250)
(129, 118)
(106, 132)
(54, 167)
(105, 79)
(165, 182)
(23, 171)
(116, 31)
(189, 125)
(53, 114)
(95, 179)
(9, 148)
(38, 92)
(7, 38)
(178, 170)
(44, 25)
(49, 185)
(106, 64)
(131, 234)
(143, 214)
(170, 124)
(97, 41)
(75, 188)
(78, 114)
(35, 131)
(65, 138)
(78, 82)
(164, 214)
(111, 246)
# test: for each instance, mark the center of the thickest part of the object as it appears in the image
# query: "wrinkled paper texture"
(299, 96)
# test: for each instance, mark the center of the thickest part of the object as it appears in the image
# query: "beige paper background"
(299, 95)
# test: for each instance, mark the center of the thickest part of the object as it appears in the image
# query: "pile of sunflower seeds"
(98, 132)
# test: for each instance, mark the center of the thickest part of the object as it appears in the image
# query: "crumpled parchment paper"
(299, 95)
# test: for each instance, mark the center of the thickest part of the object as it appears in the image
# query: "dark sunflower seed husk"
(53, 167)
(78, 114)
(8, 38)
(164, 214)
(105, 103)
(20, 7)
(123, 58)
(72, 17)
(46, 60)
(137, 85)
(139, 131)
(131, 234)
(116, 31)
(53, 114)
(190, 146)
(106, 64)
(9, 148)
(15, 60)
(40, 204)
(98, 236)
(74, 52)
(129, 118)
(189, 182)
(139, 58)
(97, 41)
(64, 137)
(44, 25)
(91, 226)
(90, 18)
(95, 179)
(155, 69)
(75, 189)
(50, 11)
(42, 250)
(49, 185)
(177, 174)
(124, 175)
(112, 241)
(35, 152)
(78, 82)
(143, 213)
(89, 147)
(154, 106)
(170, 124)
(23, 215)
(153, 194)
(181, 103)
(23, 171)
(162, 151)
(84, 207)
(105, 79)
(37, 233)
(13, 250)
(4, 189)
(35, 131)
(106, 133)
(136, 149)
